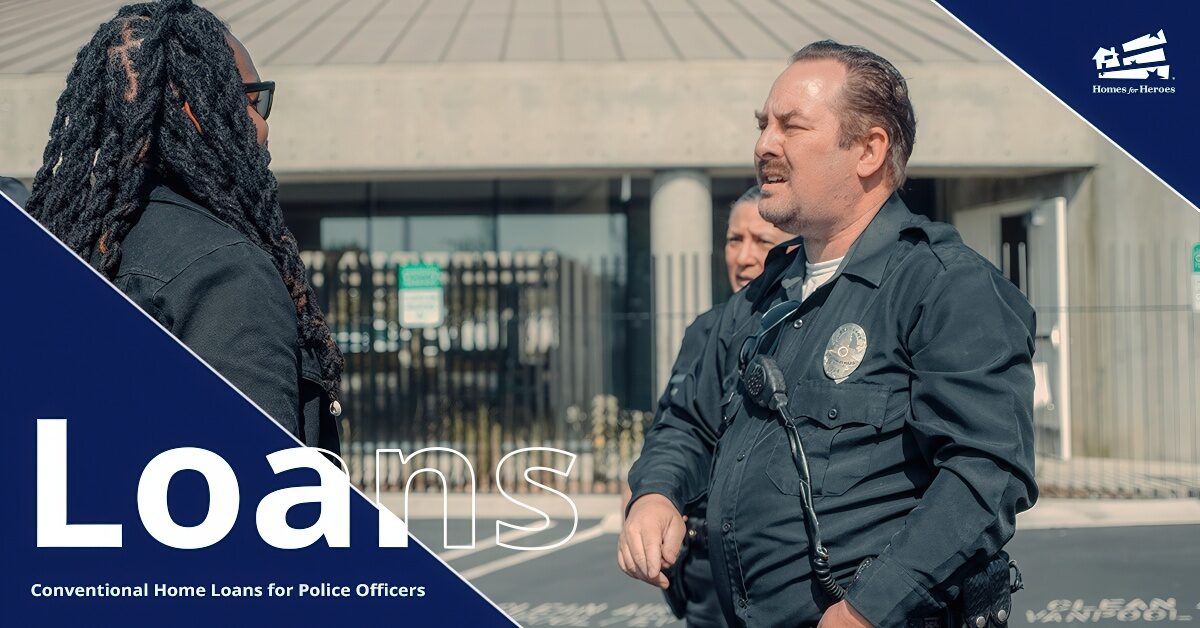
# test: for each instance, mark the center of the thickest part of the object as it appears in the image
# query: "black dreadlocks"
(120, 123)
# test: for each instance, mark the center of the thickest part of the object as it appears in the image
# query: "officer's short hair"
(749, 196)
(875, 94)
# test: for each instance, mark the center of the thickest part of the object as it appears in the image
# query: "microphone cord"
(818, 555)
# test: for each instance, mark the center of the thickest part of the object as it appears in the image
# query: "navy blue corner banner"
(1130, 69)
(79, 358)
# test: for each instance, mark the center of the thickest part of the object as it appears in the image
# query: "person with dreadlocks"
(156, 172)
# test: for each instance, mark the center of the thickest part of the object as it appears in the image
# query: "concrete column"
(681, 244)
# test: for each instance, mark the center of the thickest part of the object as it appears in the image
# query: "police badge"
(845, 351)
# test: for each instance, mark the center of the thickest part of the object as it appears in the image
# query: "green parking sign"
(421, 296)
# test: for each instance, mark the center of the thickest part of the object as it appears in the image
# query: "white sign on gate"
(422, 298)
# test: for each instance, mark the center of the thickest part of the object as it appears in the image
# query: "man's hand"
(650, 539)
(842, 615)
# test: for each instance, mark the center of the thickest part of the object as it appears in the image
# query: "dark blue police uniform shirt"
(921, 457)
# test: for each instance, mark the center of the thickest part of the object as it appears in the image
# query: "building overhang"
(458, 119)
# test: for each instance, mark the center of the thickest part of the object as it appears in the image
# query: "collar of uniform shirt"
(867, 258)
(869, 255)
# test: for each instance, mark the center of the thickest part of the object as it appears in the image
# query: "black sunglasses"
(767, 337)
(265, 91)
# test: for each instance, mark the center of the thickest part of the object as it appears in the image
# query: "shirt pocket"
(839, 426)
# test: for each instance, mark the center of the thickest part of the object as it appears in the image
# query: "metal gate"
(525, 357)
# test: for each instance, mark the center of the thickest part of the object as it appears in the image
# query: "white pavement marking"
(610, 525)
(490, 542)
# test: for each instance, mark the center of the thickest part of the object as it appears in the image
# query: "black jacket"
(223, 297)
(920, 457)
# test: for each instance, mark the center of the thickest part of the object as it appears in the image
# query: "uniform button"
(1002, 615)
(335, 408)
(726, 527)
(742, 602)
(741, 456)
(833, 413)
(798, 323)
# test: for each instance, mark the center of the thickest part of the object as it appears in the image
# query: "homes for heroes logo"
(1141, 59)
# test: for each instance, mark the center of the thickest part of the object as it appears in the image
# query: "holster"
(984, 601)
(986, 596)
(694, 540)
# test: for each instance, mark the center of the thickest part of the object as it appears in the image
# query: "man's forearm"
(940, 539)
(675, 461)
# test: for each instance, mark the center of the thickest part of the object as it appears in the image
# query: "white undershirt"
(815, 275)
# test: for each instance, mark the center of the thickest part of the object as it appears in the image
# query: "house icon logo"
(1139, 59)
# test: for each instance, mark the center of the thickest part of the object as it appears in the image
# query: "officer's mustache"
(771, 172)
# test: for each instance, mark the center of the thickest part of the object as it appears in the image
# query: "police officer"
(908, 379)
(748, 239)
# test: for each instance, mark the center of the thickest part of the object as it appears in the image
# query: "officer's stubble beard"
(812, 221)
(850, 206)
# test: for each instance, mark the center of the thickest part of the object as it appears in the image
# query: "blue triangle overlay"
(75, 348)
(1055, 42)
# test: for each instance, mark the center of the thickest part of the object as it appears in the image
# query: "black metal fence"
(540, 350)
(531, 353)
